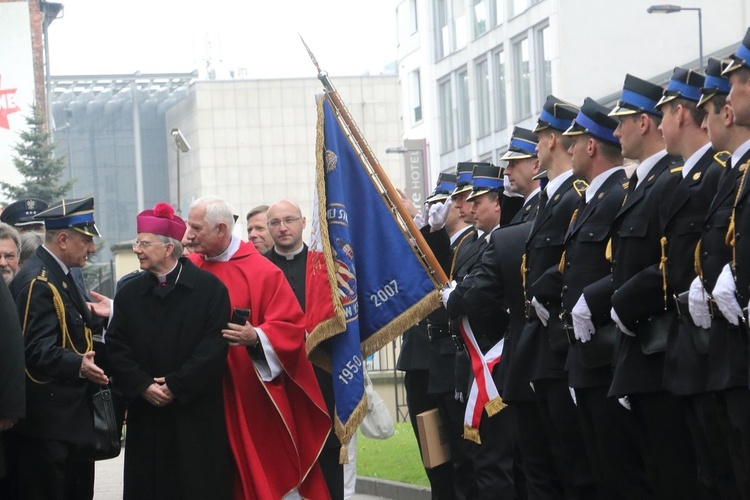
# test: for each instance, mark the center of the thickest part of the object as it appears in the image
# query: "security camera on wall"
(180, 140)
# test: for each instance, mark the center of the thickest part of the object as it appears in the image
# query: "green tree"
(37, 164)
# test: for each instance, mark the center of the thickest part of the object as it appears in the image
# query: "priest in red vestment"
(276, 416)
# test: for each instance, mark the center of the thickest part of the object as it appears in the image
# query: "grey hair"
(217, 211)
(30, 241)
(177, 250)
(8, 232)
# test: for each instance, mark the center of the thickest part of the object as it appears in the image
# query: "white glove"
(698, 304)
(625, 402)
(583, 327)
(541, 311)
(573, 395)
(506, 189)
(724, 295)
(620, 325)
(446, 292)
(439, 214)
(418, 219)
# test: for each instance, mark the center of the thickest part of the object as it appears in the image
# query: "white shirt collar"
(597, 182)
(739, 153)
(224, 256)
(693, 160)
(163, 277)
(289, 255)
(554, 184)
(530, 196)
(458, 234)
(63, 266)
(646, 165)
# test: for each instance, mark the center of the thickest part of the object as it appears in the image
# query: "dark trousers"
(715, 473)
(50, 470)
(333, 471)
(614, 445)
(661, 419)
(542, 478)
(418, 401)
(560, 422)
(733, 410)
(495, 459)
(452, 412)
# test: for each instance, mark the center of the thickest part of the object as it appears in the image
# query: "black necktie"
(633, 182)
(543, 199)
(73, 291)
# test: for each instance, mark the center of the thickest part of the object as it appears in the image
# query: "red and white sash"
(483, 394)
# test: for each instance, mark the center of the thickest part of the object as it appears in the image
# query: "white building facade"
(472, 69)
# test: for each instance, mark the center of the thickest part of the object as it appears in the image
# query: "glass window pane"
(501, 113)
(415, 96)
(483, 99)
(442, 32)
(460, 25)
(545, 62)
(522, 79)
(464, 126)
(518, 6)
(446, 117)
(480, 16)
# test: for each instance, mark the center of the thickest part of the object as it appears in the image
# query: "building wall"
(591, 45)
(253, 141)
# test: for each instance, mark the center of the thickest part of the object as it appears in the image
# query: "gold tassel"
(663, 268)
(523, 277)
(697, 261)
(472, 434)
(493, 406)
(561, 265)
(343, 455)
(608, 251)
(729, 239)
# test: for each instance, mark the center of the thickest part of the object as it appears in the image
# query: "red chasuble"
(276, 429)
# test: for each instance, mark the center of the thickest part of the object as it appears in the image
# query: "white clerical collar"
(224, 256)
(163, 277)
(646, 165)
(63, 266)
(693, 160)
(530, 196)
(554, 184)
(289, 255)
(738, 153)
(459, 233)
(597, 182)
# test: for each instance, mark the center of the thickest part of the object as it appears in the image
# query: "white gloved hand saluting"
(698, 304)
(439, 214)
(445, 293)
(583, 327)
(724, 295)
(541, 311)
(620, 325)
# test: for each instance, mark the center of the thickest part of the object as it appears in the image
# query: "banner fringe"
(494, 406)
(345, 432)
(472, 434)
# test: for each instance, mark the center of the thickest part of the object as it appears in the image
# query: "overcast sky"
(348, 37)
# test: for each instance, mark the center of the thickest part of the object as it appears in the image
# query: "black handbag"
(653, 334)
(599, 351)
(107, 427)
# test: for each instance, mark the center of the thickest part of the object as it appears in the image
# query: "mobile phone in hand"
(239, 316)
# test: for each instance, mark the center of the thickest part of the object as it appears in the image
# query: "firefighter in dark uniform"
(521, 171)
(610, 436)
(724, 273)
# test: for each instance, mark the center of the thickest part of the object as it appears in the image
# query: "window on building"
(415, 96)
(481, 16)
(518, 6)
(544, 63)
(460, 24)
(464, 120)
(522, 79)
(483, 98)
(501, 113)
(412, 13)
(446, 116)
(442, 33)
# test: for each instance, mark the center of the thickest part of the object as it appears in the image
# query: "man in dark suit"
(608, 428)
(59, 359)
(644, 324)
(686, 355)
(489, 427)
(722, 265)
(523, 165)
(549, 431)
(289, 253)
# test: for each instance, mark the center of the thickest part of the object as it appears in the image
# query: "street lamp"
(181, 146)
(50, 11)
(669, 9)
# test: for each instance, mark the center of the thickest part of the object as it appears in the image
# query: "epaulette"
(722, 157)
(675, 170)
(580, 186)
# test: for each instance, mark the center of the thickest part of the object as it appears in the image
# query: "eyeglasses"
(145, 244)
(10, 257)
(287, 221)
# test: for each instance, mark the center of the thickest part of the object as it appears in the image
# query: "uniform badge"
(696, 176)
(601, 195)
(528, 207)
(651, 178)
(65, 285)
(557, 197)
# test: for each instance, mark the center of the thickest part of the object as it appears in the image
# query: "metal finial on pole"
(322, 75)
